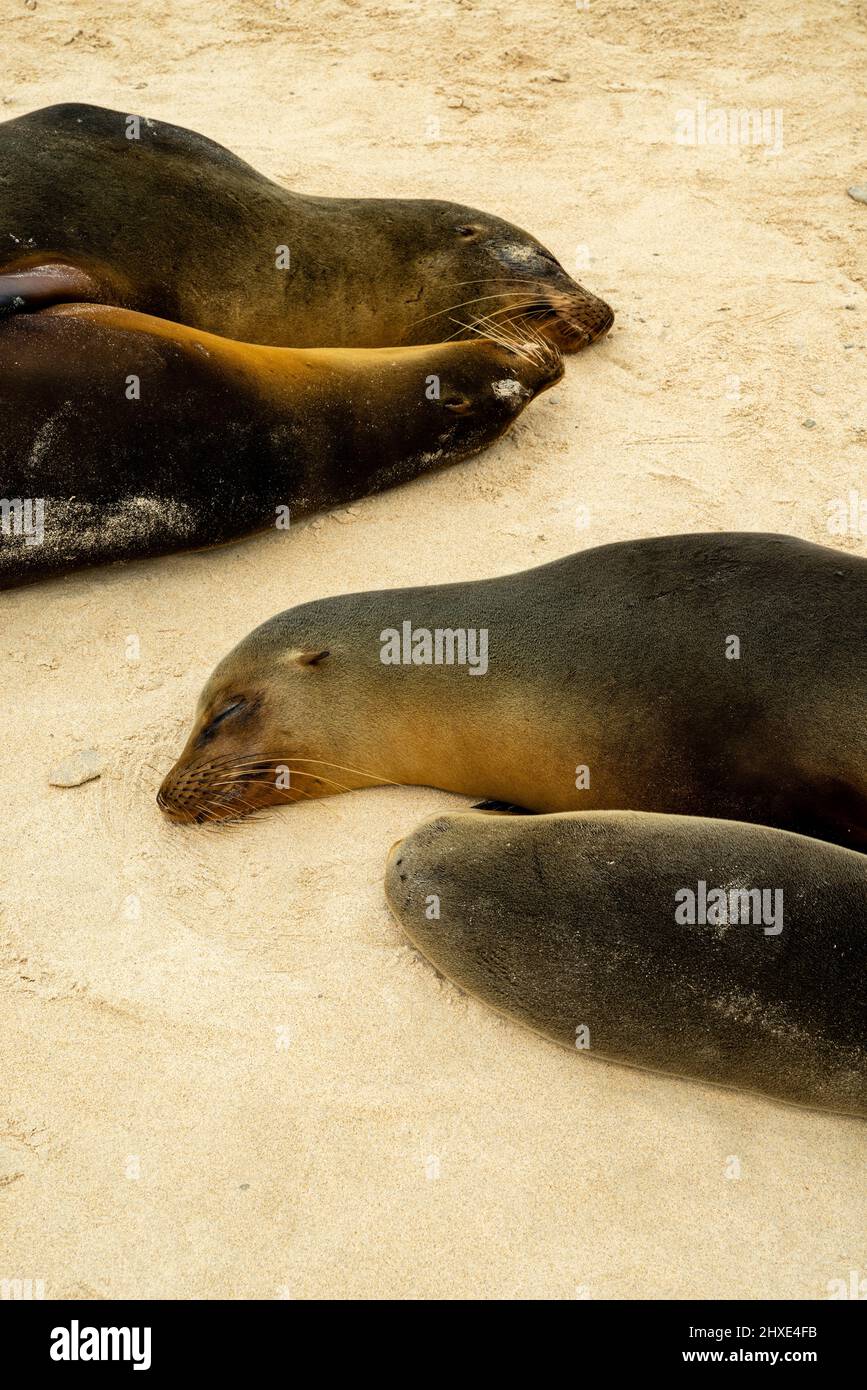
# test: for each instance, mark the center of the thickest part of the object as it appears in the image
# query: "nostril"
(459, 405)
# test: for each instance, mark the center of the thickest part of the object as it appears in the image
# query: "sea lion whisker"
(506, 309)
(464, 326)
(223, 821)
(523, 325)
(231, 764)
(210, 814)
(241, 770)
(461, 328)
(320, 762)
(315, 776)
(540, 347)
(247, 780)
(449, 308)
(343, 767)
(491, 315)
(242, 801)
(231, 760)
(545, 349)
(488, 329)
(491, 330)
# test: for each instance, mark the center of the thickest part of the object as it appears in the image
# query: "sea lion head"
(243, 751)
(434, 405)
(288, 715)
(464, 266)
(384, 416)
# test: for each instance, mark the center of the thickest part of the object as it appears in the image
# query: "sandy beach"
(227, 1074)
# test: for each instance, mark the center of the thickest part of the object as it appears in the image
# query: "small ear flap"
(310, 658)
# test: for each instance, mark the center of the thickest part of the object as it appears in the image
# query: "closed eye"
(210, 729)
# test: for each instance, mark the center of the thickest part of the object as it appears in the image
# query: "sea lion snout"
(225, 770)
(263, 734)
(201, 790)
(486, 272)
(530, 365)
(578, 318)
(568, 314)
(543, 294)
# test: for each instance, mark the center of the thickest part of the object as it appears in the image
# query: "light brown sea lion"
(717, 675)
(725, 952)
(105, 206)
(123, 435)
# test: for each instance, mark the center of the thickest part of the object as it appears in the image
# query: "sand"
(226, 1073)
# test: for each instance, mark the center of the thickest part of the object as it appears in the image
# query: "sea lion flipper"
(27, 290)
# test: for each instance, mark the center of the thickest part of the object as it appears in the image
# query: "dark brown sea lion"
(103, 206)
(725, 952)
(715, 675)
(123, 435)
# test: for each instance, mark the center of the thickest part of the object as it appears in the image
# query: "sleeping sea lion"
(103, 206)
(725, 952)
(123, 435)
(712, 675)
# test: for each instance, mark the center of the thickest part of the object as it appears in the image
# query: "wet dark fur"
(568, 921)
(212, 447)
(175, 225)
(614, 658)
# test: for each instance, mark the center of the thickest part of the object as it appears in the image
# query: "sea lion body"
(174, 225)
(577, 925)
(140, 437)
(608, 683)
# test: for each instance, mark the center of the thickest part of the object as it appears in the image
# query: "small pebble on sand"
(84, 766)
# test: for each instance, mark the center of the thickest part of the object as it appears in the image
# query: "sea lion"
(725, 952)
(123, 435)
(165, 221)
(720, 675)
